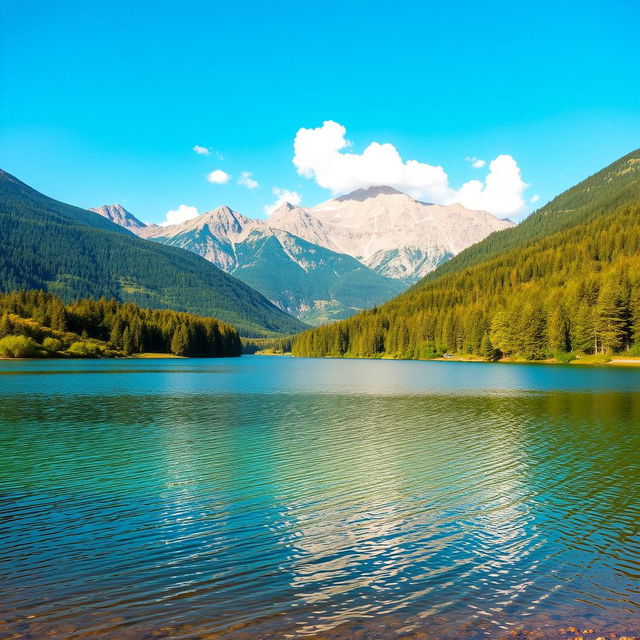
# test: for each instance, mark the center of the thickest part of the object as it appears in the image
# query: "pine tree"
(502, 334)
(58, 315)
(610, 318)
(6, 326)
(180, 341)
(115, 337)
(583, 332)
(127, 341)
(556, 332)
(487, 349)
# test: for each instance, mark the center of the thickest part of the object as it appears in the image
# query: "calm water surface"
(277, 497)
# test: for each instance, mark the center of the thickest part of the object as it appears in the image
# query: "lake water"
(267, 497)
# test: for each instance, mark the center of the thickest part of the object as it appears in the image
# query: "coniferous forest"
(39, 324)
(564, 282)
(76, 253)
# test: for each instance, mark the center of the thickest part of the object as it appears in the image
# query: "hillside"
(614, 185)
(566, 280)
(75, 253)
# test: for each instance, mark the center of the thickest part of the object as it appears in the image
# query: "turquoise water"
(279, 497)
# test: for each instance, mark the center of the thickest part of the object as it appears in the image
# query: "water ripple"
(194, 498)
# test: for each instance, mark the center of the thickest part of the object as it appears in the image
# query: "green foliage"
(76, 253)
(487, 350)
(276, 346)
(18, 347)
(180, 341)
(108, 327)
(566, 280)
(564, 357)
(52, 345)
(634, 350)
(85, 349)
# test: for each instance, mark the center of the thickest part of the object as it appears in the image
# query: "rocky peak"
(119, 215)
(361, 195)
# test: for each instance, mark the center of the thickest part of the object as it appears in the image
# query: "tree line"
(574, 291)
(35, 322)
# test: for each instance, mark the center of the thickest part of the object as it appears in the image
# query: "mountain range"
(47, 244)
(327, 262)
(566, 281)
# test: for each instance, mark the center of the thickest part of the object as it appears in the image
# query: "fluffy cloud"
(534, 198)
(245, 180)
(501, 192)
(203, 151)
(179, 215)
(282, 196)
(218, 177)
(322, 154)
(476, 163)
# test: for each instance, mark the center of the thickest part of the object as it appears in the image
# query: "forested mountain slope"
(75, 253)
(614, 185)
(567, 281)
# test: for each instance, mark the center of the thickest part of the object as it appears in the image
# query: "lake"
(271, 497)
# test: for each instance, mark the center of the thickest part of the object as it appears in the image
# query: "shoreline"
(613, 362)
(586, 361)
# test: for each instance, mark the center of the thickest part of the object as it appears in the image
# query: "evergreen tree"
(180, 341)
(610, 318)
(127, 341)
(583, 332)
(487, 350)
(556, 332)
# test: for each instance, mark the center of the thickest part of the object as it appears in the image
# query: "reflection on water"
(301, 497)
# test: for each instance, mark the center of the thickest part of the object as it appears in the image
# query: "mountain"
(118, 214)
(612, 186)
(391, 232)
(328, 262)
(311, 282)
(75, 253)
(566, 280)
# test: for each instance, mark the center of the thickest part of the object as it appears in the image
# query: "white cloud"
(534, 198)
(476, 163)
(218, 177)
(245, 180)
(180, 215)
(501, 192)
(203, 151)
(282, 196)
(320, 154)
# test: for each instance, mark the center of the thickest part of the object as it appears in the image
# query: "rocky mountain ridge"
(379, 235)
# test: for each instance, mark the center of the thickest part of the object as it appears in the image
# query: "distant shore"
(586, 361)
(615, 361)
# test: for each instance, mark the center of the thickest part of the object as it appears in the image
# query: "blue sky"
(104, 102)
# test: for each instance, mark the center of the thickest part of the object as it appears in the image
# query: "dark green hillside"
(309, 281)
(75, 253)
(569, 282)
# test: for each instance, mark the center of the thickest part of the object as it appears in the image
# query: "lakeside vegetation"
(38, 324)
(268, 346)
(567, 284)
